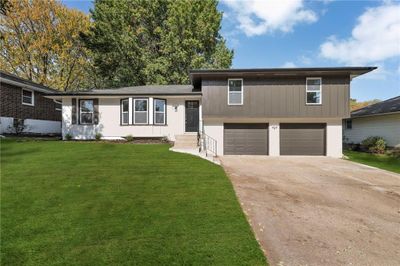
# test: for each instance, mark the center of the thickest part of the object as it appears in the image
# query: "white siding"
(386, 126)
(32, 126)
(109, 121)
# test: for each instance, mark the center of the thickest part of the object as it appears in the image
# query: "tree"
(354, 105)
(138, 42)
(40, 41)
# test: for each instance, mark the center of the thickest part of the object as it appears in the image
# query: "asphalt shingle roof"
(389, 106)
(141, 90)
(11, 78)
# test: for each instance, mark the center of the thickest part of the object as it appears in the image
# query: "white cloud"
(376, 37)
(289, 65)
(257, 17)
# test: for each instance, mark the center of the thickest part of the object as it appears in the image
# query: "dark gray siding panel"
(246, 139)
(277, 97)
(302, 139)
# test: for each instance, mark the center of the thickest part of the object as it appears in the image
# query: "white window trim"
(122, 111)
(80, 112)
(242, 93)
(134, 111)
(320, 91)
(33, 97)
(158, 112)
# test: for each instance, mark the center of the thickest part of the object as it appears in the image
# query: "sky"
(318, 33)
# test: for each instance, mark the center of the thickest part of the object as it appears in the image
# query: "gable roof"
(138, 90)
(12, 79)
(389, 106)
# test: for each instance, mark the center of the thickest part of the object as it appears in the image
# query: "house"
(23, 100)
(380, 119)
(275, 111)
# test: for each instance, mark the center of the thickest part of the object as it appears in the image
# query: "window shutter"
(96, 111)
(73, 118)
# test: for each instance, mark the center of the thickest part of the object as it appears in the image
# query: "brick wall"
(11, 105)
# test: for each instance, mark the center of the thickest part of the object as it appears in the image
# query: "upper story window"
(313, 90)
(28, 97)
(235, 91)
(140, 115)
(125, 111)
(159, 112)
(86, 112)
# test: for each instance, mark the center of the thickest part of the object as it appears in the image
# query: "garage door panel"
(246, 139)
(302, 139)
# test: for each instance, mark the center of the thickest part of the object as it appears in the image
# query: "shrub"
(396, 152)
(68, 136)
(18, 126)
(374, 144)
(129, 138)
(98, 136)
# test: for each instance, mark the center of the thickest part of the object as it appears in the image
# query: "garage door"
(302, 139)
(246, 139)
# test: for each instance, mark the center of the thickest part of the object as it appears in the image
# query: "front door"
(192, 116)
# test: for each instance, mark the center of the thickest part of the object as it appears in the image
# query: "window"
(58, 105)
(125, 111)
(159, 112)
(28, 97)
(313, 90)
(235, 91)
(140, 113)
(349, 124)
(86, 111)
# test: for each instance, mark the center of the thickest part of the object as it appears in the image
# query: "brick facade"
(11, 105)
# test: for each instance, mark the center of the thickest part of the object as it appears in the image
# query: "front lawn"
(382, 161)
(105, 204)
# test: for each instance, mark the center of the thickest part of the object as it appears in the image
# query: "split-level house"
(22, 101)
(276, 111)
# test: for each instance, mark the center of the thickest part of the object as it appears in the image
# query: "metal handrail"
(208, 144)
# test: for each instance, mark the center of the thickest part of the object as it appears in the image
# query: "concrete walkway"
(319, 210)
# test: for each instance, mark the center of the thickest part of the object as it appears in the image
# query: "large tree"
(137, 42)
(40, 41)
(355, 105)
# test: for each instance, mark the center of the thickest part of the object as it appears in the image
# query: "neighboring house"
(23, 100)
(296, 111)
(380, 119)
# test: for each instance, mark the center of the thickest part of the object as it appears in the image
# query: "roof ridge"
(380, 102)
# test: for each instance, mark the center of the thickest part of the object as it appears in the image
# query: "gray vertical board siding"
(302, 139)
(246, 139)
(277, 97)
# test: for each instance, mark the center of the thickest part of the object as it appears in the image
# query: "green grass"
(80, 203)
(382, 161)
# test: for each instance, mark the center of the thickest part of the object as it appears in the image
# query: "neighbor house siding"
(11, 105)
(277, 97)
(386, 126)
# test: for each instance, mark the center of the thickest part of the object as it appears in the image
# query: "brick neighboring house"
(21, 99)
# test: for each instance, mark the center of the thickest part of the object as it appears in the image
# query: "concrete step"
(186, 138)
(183, 146)
(188, 141)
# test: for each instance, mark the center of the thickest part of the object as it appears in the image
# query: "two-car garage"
(294, 139)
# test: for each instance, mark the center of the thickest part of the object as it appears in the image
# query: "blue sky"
(296, 33)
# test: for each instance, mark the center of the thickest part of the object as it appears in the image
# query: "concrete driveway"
(319, 210)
